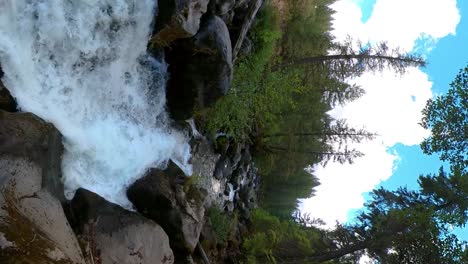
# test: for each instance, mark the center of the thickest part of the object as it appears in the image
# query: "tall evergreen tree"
(346, 60)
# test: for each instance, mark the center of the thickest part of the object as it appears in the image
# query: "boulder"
(33, 226)
(213, 40)
(111, 234)
(223, 169)
(179, 212)
(178, 19)
(7, 102)
(242, 3)
(25, 135)
(204, 160)
(200, 69)
(222, 7)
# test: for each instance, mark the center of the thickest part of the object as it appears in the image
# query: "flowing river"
(83, 66)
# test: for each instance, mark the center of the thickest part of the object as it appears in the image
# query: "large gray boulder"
(178, 19)
(213, 60)
(33, 226)
(180, 212)
(25, 135)
(112, 234)
(200, 69)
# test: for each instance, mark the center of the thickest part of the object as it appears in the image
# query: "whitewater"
(83, 66)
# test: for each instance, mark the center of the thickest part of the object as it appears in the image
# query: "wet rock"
(111, 234)
(178, 19)
(223, 168)
(203, 158)
(179, 212)
(204, 161)
(7, 102)
(33, 226)
(200, 69)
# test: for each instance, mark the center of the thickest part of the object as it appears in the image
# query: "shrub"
(222, 223)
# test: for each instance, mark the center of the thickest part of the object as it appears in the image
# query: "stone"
(200, 69)
(204, 160)
(7, 102)
(223, 169)
(222, 7)
(178, 19)
(114, 235)
(33, 226)
(179, 212)
(25, 135)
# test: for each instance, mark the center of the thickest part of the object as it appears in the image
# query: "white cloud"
(341, 185)
(392, 104)
(400, 22)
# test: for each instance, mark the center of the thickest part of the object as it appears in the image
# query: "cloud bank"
(392, 104)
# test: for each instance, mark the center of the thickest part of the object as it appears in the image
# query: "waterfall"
(83, 66)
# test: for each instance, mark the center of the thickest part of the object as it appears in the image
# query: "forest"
(190, 132)
(279, 101)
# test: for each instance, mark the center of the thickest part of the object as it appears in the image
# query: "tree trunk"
(245, 27)
(322, 58)
(340, 252)
(329, 255)
(318, 134)
(317, 153)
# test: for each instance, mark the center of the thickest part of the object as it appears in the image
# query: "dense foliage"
(279, 102)
(447, 117)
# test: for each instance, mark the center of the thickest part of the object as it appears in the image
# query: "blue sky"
(438, 29)
(445, 60)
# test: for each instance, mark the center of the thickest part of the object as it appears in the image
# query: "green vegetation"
(279, 102)
(237, 113)
(273, 240)
(447, 117)
(222, 223)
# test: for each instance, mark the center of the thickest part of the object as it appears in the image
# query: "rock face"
(25, 135)
(178, 19)
(180, 212)
(33, 226)
(7, 102)
(111, 234)
(222, 7)
(204, 161)
(200, 68)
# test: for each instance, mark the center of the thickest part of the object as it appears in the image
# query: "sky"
(392, 105)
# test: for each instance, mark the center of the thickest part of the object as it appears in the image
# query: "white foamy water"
(82, 65)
